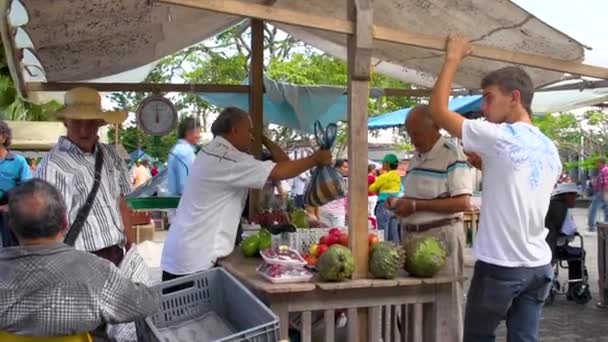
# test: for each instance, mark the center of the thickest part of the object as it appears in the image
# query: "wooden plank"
(330, 325)
(403, 328)
(393, 324)
(307, 20)
(415, 323)
(386, 322)
(138, 87)
(280, 309)
(256, 102)
(429, 322)
(306, 326)
(374, 320)
(353, 329)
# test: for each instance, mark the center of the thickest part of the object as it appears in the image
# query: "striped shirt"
(72, 172)
(442, 172)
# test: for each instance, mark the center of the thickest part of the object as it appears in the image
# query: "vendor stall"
(102, 44)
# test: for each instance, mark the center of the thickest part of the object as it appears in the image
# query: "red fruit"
(311, 260)
(332, 239)
(335, 231)
(372, 239)
(323, 240)
(322, 249)
(343, 239)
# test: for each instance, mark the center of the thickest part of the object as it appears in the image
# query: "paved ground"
(567, 321)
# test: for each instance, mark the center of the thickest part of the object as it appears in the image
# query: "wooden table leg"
(282, 312)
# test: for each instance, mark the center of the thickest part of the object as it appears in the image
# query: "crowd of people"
(69, 230)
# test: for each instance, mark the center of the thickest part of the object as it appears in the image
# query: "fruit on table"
(335, 231)
(323, 240)
(265, 239)
(314, 250)
(336, 264)
(311, 260)
(425, 256)
(386, 260)
(343, 239)
(332, 239)
(372, 239)
(267, 218)
(322, 249)
(251, 246)
(299, 218)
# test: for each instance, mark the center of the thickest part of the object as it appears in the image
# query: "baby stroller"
(562, 233)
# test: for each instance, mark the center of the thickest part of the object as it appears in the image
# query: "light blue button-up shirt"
(181, 157)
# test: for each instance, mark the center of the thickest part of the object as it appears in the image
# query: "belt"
(430, 225)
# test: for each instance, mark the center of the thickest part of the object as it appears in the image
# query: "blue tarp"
(289, 105)
(140, 154)
(462, 105)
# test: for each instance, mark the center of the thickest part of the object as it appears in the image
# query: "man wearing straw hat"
(73, 167)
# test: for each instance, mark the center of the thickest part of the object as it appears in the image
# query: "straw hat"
(83, 103)
(565, 188)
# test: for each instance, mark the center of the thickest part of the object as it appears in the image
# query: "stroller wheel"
(580, 293)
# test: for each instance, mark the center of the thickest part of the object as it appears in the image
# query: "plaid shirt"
(72, 172)
(55, 290)
(601, 181)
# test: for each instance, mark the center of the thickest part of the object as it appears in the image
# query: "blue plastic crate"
(214, 292)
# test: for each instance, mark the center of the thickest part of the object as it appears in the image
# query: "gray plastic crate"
(214, 292)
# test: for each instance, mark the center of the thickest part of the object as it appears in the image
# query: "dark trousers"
(514, 294)
(299, 201)
(170, 276)
(7, 237)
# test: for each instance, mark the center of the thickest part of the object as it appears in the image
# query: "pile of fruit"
(268, 218)
(335, 236)
(253, 244)
(283, 265)
(336, 264)
(422, 256)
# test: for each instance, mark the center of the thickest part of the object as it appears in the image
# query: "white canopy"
(89, 39)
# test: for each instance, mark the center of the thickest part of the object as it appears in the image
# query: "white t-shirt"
(520, 168)
(205, 226)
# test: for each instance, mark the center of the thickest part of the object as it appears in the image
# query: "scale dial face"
(156, 115)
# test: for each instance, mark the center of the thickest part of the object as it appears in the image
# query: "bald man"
(438, 189)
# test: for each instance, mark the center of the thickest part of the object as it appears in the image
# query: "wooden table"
(424, 305)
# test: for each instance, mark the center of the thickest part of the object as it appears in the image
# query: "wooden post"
(256, 103)
(360, 46)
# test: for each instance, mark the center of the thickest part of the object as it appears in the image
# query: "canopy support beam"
(360, 47)
(307, 20)
(256, 102)
(139, 87)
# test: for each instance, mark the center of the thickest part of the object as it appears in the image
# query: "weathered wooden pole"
(256, 103)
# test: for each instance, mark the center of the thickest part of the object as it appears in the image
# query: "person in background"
(48, 288)
(299, 187)
(600, 192)
(386, 185)
(207, 219)
(14, 170)
(141, 173)
(513, 272)
(182, 155)
(372, 197)
(32, 162)
(154, 170)
(333, 214)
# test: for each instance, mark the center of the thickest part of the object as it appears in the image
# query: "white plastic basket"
(306, 237)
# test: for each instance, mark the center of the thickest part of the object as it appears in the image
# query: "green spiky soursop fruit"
(386, 260)
(336, 264)
(426, 256)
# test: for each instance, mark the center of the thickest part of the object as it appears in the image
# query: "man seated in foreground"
(48, 288)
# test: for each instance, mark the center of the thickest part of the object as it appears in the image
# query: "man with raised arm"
(520, 165)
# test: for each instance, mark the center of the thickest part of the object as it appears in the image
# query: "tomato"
(311, 260)
(323, 240)
(343, 239)
(322, 249)
(332, 240)
(335, 231)
(372, 239)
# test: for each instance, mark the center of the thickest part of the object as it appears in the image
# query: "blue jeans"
(596, 203)
(500, 293)
(387, 222)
